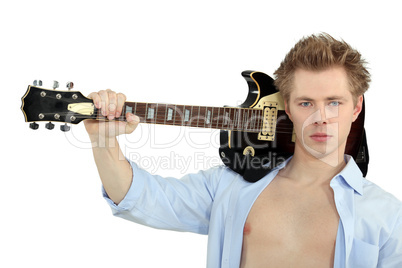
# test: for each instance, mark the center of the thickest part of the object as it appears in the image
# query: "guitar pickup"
(269, 119)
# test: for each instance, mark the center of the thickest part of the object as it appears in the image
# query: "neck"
(227, 118)
(307, 168)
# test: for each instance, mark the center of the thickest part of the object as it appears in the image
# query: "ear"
(358, 108)
(287, 111)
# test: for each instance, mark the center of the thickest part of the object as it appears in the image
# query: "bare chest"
(291, 227)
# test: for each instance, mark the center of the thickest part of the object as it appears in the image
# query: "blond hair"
(320, 52)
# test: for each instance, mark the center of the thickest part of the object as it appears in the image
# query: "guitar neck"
(226, 118)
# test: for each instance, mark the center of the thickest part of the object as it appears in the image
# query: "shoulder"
(217, 173)
(378, 208)
(216, 177)
(374, 194)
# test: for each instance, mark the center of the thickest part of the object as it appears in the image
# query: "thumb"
(132, 122)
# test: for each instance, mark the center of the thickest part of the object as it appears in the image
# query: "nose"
(321, 116)
(326, 113)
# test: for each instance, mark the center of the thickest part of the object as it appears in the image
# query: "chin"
(328, 152)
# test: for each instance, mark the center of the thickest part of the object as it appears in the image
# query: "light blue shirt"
(216, 202)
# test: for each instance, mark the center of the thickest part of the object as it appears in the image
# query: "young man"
(314, 210)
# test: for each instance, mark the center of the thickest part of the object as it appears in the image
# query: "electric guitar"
(255, 136)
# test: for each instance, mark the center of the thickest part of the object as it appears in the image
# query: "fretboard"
(228, 118)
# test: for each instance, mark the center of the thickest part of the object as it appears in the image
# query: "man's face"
(322, 110)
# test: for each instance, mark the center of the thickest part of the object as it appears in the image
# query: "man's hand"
(111, 105)
(115, 172)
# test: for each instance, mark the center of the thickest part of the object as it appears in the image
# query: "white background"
(183, 52)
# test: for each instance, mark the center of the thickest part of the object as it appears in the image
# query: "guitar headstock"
(50, 105)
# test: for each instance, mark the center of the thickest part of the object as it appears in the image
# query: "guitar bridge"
(269, 121)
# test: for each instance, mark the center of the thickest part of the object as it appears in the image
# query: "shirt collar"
(352, 175)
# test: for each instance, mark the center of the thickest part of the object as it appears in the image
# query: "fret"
(249, 119)
(174, 115)
(252, 120)
(170, 114)
(156, 114)
(234, 118)
(208, 115)
(186, 115)
(183, 115)
(212, 117)
(244, 119)
(191, 115)
(165, 114)
(198, 116)
(239, 118)
(215, 118)
(201, 116)
(160, 113)
(128, 109)
(260, 120)
(226, 118)
(141, 110)
(232, 121)
(178, 115)
(150, 113)
(146, 112)
(221, 116)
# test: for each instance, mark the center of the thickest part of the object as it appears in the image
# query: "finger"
(112, 104)
(96, 99)
(132, 122)
(121, 100)
(104, 102)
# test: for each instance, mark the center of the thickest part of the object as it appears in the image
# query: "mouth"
(320, 137)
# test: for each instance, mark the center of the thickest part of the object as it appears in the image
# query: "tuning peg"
(55, 84)
(49, 125)
(33, 126)
(65, 128)
(37, 83)
(70, 85)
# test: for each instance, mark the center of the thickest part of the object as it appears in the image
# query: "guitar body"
(251, 156)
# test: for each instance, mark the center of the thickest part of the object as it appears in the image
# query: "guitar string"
(242, 125)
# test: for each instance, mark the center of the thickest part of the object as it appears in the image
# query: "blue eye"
(305, 104)
(334, 103)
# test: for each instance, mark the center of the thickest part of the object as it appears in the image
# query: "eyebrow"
(305, 98)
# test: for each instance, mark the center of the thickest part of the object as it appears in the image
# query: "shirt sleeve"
(168, 203)
(391, 252)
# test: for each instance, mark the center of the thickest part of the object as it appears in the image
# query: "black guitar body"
(252, 157)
